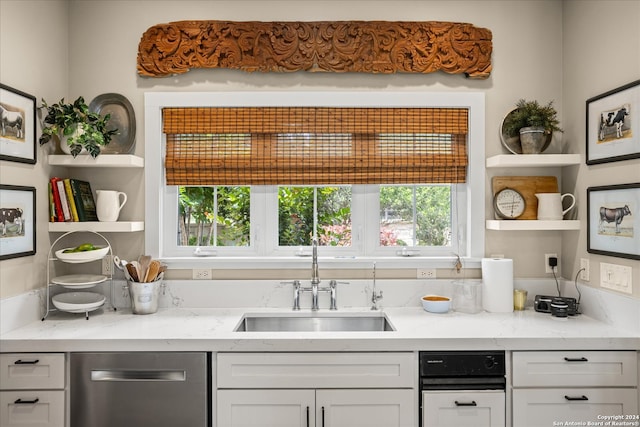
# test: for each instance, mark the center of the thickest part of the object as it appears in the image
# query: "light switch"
(617, 277)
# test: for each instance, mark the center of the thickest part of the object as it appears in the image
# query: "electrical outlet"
(201, 274)
(547, 267)
(584, 269)
(426, 273)
(107, 265)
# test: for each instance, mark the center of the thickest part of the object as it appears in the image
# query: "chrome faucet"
(314, 289)
(315, 279)
(375, 297)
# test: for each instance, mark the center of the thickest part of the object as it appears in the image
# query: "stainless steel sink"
(313, 323)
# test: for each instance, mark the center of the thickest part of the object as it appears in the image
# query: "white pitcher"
(108, 204)
(550, 205)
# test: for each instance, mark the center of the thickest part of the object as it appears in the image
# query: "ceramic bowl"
(436, 303)
(80, 257)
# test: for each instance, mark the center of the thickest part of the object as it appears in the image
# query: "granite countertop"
(182, 329)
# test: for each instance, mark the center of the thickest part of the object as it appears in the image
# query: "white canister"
(497, 285)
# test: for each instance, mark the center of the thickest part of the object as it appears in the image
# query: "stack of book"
(71, 200)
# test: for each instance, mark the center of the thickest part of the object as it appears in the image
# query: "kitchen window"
(207, 208)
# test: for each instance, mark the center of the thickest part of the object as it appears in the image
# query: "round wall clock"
(508, 203)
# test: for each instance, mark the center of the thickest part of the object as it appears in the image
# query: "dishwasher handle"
(138, 375)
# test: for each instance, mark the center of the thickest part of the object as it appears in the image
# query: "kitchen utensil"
(152, 271)
(550, 205)
(133, 272)
(528, 186)
(121, 264)
(108, 204)
(144, 261)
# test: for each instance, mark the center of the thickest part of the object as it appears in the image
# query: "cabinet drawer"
(28, 408)
(316, 370)
(575, 368)
(20, 371)
(478, 408)
(543, 407)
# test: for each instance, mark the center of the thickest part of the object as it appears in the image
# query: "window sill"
(345, 263)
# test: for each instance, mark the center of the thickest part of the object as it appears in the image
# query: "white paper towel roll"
(497, 285)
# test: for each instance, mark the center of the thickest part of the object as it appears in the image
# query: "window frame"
(470, 196)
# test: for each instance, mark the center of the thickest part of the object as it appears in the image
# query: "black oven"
(459, 383)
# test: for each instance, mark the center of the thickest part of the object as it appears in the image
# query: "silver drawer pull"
(26, 402)
(142, 375)
(26, 362)
(577, 359)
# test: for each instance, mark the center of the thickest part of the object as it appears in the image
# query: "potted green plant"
(533, 123)
(76, 126)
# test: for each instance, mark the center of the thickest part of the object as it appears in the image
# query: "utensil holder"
(144, 296)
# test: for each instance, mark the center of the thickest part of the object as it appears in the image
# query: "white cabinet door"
(32, 408)
(365, 408)
(463, 409)
(266, 408)
(543, 407)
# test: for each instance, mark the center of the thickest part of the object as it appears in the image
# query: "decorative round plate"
(80, 257)
(79, 281)
(512, 143)
(78, 302)
(123, 118)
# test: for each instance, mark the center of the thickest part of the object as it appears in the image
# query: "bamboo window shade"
(314, 145)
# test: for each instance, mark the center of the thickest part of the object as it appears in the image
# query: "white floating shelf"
(532, 225)
(102, 161)
(532, 160)
(105, 227)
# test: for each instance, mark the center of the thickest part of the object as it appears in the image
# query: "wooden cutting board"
(528, 186)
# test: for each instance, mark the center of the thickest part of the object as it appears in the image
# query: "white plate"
(79, 257)
(79, 281)
(78, 302)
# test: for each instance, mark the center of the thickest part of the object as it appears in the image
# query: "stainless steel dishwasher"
(140, 389)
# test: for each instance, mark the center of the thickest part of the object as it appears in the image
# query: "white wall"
(592, 65)
(534, 73)
(34, 59)
(103, 38)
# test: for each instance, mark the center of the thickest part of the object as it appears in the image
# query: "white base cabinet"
(316, 390)
(463, 408)
(579, 387)
(315, 408)
(32, 390)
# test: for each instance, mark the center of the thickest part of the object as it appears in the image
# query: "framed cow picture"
(613, 220)
(17, 126)
(17, 221)
(613, 125)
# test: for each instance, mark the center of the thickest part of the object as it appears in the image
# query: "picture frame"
(17, 221)
(613, 125)
(613, 220)
(17, 126)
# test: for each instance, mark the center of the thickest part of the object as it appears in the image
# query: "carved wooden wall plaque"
(342, 46)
